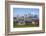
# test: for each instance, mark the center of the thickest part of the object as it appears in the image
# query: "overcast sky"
(22, 11)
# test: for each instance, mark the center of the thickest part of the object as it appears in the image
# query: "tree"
(35, 16)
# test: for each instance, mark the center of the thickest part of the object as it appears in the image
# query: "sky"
(22, 11)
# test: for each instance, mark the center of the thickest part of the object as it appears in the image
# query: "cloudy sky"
(22, 11)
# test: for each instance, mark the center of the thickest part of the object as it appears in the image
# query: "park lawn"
(22, 26)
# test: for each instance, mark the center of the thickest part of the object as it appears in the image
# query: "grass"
(27, 25)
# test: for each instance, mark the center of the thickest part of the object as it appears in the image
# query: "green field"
(27, 25)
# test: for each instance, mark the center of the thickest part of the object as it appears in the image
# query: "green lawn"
(27, 25)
